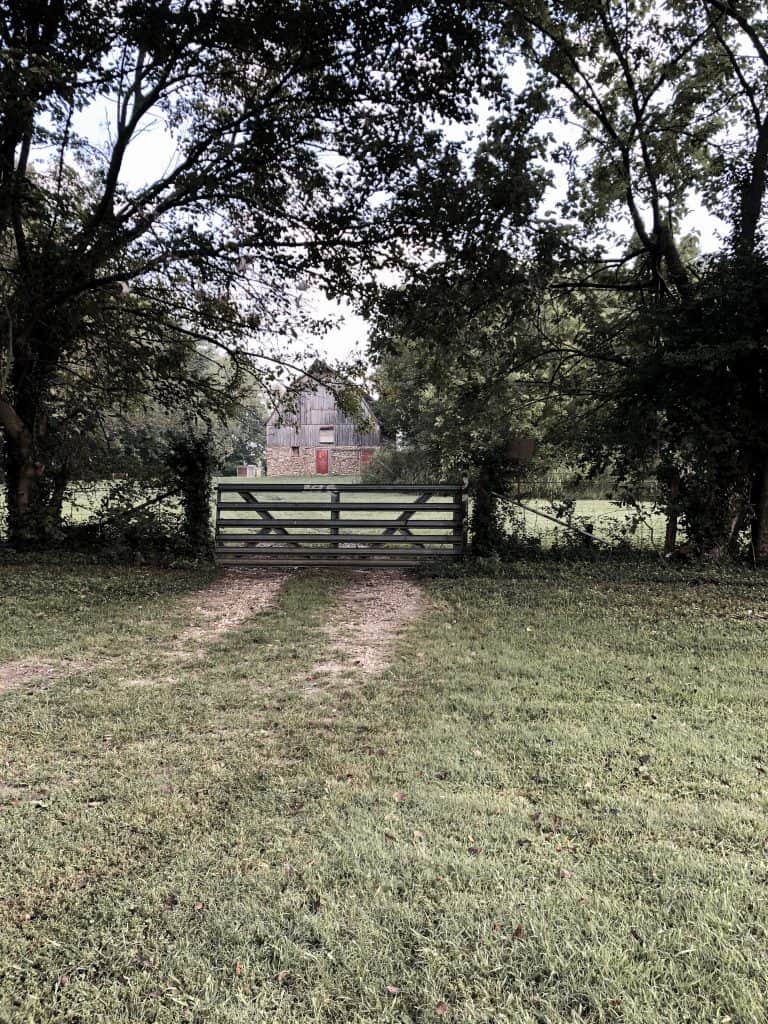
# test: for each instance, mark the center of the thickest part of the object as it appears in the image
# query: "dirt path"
(217, 609)
(371, 612)
(26, 671)
(226, 604)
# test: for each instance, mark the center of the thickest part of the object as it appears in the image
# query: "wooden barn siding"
(318, 409)
(345, 436)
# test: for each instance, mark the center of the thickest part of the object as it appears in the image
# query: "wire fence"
(579, 522)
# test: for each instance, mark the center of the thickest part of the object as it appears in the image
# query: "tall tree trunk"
(673, 511)
(488, 533)
(33, 518)
(670, 533)
(22, 485)
(669, 478)
(759, 524)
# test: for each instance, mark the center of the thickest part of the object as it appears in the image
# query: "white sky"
(349, 338)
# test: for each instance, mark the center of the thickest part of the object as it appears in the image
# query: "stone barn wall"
(290, 461)
(300, 461)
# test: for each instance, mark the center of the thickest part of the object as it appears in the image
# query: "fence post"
(464, 516)
(216, 530)
(335, 502)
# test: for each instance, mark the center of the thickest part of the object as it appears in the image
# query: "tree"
(243, 439)
(669, 102)
(458, 366)
(286, 123)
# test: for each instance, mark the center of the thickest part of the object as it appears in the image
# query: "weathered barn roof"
(310, 403)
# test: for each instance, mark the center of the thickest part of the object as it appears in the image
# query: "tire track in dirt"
(371, 612)
(222, 606)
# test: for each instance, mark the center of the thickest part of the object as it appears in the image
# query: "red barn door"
(321, 460)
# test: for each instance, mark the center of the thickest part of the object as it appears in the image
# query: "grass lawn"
(552, 806)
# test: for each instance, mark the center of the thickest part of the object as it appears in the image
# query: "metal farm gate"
(367, 526)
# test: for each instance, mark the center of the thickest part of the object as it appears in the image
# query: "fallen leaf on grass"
(565, 873)
(518, 932)
(400, 797)
(393, 990)
(474, 851)
(389, 837)
(441, 1008)
(238, 968)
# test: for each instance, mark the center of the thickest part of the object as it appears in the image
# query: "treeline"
(603, 328)
(528, 173)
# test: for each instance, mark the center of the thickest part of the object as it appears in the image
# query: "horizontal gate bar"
(339, 507)
(307, 554)
(324, 523)
(347, 538)
(318, 506)
(340, 563)
(344, 488)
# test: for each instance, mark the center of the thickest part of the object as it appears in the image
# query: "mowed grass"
(551, 807)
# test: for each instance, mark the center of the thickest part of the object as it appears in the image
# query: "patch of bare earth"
(38, 671)
(225, 605)
(371, 612)
(151, 681)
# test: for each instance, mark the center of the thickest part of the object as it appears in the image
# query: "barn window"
(294, 449)
(327, 435)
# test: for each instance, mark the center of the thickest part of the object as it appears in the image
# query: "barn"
(309, 434)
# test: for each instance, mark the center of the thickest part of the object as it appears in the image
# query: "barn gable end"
(316, 437)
